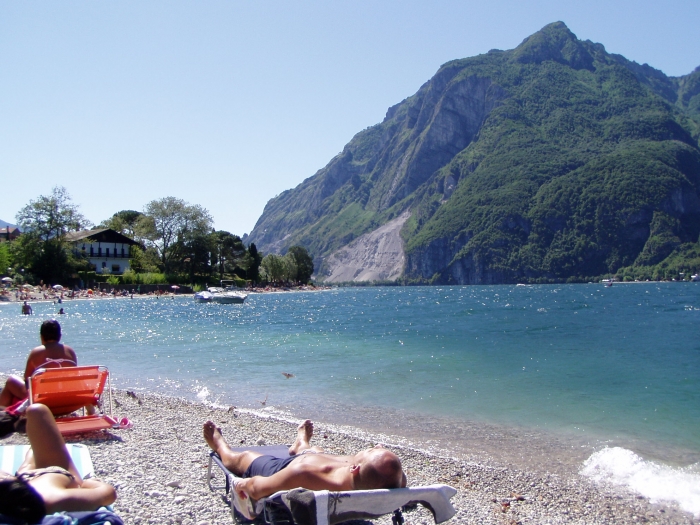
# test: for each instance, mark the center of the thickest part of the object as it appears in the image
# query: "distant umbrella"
(175, 287)
(57, 287)
(7, 279)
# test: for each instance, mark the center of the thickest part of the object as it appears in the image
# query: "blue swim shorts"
(267, 466)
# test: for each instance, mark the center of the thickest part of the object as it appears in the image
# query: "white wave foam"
(203, 394)
(657, 482)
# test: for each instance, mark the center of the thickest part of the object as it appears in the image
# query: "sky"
(226, 104)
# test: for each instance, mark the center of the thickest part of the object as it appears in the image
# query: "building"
(108, 250)
(9, 233)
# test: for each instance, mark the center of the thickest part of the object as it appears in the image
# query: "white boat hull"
(229, 298)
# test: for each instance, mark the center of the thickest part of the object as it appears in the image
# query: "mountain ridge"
(479, 148)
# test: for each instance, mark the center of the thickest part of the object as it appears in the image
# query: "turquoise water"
(571, 367)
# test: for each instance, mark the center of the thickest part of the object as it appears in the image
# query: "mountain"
(552, 161)
(4, 224)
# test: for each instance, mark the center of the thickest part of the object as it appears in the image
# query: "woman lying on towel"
(48, 481)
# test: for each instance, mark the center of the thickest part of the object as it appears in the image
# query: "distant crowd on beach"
(48, 293)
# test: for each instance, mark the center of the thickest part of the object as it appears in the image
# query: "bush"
(131, 277)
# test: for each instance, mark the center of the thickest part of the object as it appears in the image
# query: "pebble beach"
(159, 468)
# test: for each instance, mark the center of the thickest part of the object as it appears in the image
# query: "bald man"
(307, 467)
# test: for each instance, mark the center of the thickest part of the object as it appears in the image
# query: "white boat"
(695, 278)
(224, 294)
(227, 296)
(203, 297)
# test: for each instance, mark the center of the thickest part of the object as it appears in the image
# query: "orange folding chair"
(67, 390)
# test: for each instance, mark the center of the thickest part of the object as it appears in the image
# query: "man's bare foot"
(213, 436)
(304, 433)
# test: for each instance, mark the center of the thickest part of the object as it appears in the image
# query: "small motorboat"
(222, 295)
(203, 297)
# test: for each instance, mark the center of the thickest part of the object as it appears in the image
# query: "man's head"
(378, 468)
(50, 331)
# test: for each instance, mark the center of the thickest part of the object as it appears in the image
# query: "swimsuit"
(58, 362)
(266, 466)
(29, 475)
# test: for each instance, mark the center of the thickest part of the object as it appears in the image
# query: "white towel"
(330, 508)
(12, 457)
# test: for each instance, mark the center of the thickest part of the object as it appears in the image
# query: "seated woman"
(51, 354)
(48, 481)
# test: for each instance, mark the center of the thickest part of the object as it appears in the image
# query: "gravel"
(160, 468)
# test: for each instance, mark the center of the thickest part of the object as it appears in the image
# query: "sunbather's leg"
(47, 446)
(236, 462)
(305, 432)
(13, 391)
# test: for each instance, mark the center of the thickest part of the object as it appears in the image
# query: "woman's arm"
(90, 496)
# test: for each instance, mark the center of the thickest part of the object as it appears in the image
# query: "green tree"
(275, 267)
(144, 260)
(252, 262)
(51, 216)
(5, 260)
(304, 264)
(168, 224)
(228, 252)
(125, 222)
(42, 249)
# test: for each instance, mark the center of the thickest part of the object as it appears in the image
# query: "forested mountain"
(555, 160)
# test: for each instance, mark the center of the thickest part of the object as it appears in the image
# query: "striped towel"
(12, 456)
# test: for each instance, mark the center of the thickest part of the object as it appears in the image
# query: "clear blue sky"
(228, 103)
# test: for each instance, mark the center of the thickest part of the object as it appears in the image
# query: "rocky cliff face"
(552, 160)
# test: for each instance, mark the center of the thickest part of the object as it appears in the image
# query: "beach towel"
(12, 456)
(102, 516)
(323, 507)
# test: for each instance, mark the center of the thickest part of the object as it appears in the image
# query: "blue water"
(572, 367)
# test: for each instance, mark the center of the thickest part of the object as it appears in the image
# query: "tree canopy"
(168, 225)
(41, 249)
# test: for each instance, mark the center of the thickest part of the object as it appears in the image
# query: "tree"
(303, 262)
(125, 222)
(252, 262)
(51, 216)
(42, 249)
(169, 223)
(229, 252)
(274, 267)
(4, 258)
(144, 261)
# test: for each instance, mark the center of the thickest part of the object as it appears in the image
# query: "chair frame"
(74, 424)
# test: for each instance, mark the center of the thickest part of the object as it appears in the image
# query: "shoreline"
(159, 470)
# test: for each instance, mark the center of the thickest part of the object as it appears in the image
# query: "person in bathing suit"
(48, 481)
(308, 467)
(51, 354)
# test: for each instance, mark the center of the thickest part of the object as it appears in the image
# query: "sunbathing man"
(48, 481)
(308, 467)
(51, 354)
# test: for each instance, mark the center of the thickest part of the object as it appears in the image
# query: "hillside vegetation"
(553, 161)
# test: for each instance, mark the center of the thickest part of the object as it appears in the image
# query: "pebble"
(165, 449)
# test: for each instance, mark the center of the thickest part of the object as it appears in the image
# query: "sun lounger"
(11, 458)
(323, 507)
(66, 390)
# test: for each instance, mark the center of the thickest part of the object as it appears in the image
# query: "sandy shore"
(159, 469)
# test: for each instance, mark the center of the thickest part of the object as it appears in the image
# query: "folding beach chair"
(67, 390)
(322, 507)
(12, 457)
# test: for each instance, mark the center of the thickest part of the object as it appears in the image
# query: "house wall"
(114, 256)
